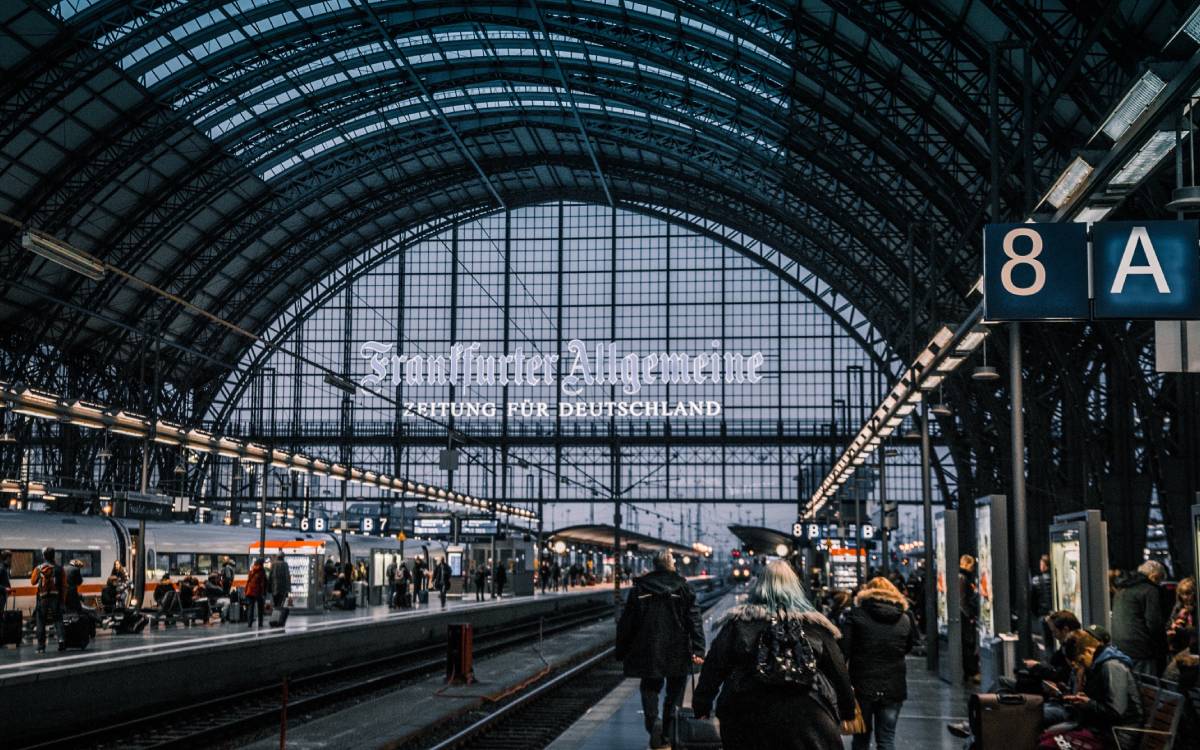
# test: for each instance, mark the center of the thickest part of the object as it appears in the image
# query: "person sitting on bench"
(167, 598)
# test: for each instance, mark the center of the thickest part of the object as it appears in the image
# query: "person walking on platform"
(969, 612)
(74, 573)
(404, 583)
(5, 577)
(499, 578)
(556, 574)
(1139, 618)
(441, 580)
(228, 571)
(481, 577)
(659, 637)
(256, 593)
(878, 633)
(389, 577)
(782, 681)
(544, 574)
(51, 584)
(419, 572)
(281, 581)
(1041, 593)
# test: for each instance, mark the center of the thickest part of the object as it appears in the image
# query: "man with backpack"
(227, 574)
(389, 576)
(659, 637)
(51, 584)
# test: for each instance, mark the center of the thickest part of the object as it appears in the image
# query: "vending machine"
(997, 644)
(1079, 566)
(949, 620)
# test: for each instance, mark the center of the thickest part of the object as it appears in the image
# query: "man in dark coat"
(499, 578)
(659, 636)
(1041, 593)
(969, 614)
(1111, 695)
(1139, 618)
(281, 581)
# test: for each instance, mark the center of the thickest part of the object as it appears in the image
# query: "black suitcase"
(11, 626)
(1005, 720)
(131, 622)
(690, 733)
(279, 617)
(78, 631)
(423, 596)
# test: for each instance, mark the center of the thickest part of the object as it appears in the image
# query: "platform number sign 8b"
(1035, 272)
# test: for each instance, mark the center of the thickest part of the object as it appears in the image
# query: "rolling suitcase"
(279, 617)
(690, 733)
(233, 612)
(423, 596)
(11, 625)
(78, 631)
(1005, 720)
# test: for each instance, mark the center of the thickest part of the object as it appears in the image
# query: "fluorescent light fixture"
(860, 459)
(1190, 27)
(950, 363)
(895, 420)
(33, 411)
(1069, 182)
(942, 337)
(58, 252)
(1146, 159)
(931, 382)
(1092, 214)
(91, 424)
(1137, 100)
(905, 409)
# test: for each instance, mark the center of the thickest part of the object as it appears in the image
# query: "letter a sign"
(1146, 269)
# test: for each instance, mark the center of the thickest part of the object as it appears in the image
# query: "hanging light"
(104, 453)
(985, 371)
(1187, 197)
(941, 408)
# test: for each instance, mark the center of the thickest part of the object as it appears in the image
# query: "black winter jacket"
(1041, 595)
(660, 629)
(877, 634)
(762, 713)
(1139, 618)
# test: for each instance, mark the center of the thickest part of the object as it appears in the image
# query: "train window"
(183, 563)
(23, 562)
(241, 563)
(89, 557)
(205, 563)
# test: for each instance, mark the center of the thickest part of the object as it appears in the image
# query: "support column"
(931, 640)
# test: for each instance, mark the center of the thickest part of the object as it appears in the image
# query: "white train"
(176, 548)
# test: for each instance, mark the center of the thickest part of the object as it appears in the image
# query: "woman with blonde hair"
(783, 684)
(877, 634)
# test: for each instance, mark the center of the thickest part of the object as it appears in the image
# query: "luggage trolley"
(1079, 566)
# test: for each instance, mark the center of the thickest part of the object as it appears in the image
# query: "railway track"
(534, 718)
(208, 723)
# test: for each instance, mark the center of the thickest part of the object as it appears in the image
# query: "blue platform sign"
(1035, 272)
(1146, 269)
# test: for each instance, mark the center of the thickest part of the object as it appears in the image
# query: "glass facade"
(533, 280)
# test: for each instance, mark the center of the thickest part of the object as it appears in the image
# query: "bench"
(1162, 709)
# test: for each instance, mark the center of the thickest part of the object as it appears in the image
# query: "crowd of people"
(785, 672)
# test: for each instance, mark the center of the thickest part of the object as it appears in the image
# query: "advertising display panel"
(939, 561)
(1079, 565)
(1065, 567)
(841, 567)
(991, 524)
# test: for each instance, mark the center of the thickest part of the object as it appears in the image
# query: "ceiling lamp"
(940, 408)
(1187, 197)
(59, 252)
(985, 371)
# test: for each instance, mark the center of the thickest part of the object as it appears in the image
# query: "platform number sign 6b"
(1035, 272)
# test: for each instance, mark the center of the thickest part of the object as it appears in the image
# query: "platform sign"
(1035, 272)
(1146, 269)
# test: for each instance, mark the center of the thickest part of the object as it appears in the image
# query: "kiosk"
(997, 645)
(304, 558)
(1079, 566)
(949, 619)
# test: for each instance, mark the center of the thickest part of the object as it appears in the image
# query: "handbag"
(857, 725)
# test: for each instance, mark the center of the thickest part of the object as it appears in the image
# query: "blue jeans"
(881, 717)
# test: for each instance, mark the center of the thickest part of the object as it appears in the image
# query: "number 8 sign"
(1035, 272)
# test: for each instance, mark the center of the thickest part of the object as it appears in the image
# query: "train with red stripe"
(176, 548)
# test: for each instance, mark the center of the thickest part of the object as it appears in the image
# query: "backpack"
(783, 657)
(48, 580)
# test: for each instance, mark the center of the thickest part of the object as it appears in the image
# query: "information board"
(430, 528)
(478, 527)
(1146, 269)
(1035, 272)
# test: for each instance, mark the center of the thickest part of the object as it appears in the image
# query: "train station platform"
(615, 723)
(191, 664)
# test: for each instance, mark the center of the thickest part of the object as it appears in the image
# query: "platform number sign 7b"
(1035, 272)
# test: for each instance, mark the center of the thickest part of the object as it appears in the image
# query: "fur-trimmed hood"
(881, 595)
(752, 612)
